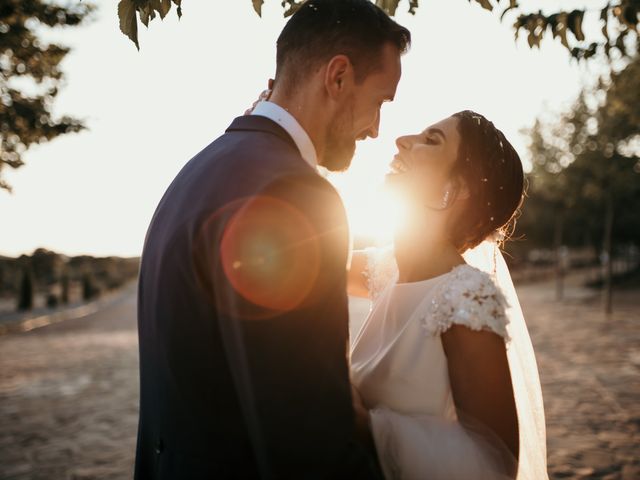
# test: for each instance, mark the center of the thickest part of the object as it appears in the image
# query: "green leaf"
(533, 40)
(591, 51)
(574, 23)
(147, 13)
(604, 16)
(486, 4)
(389, 6)
(558, 24)
(257, 6)
(620, 45)
(128, 20)
(178, 4)
(163, 7)
(629, 15)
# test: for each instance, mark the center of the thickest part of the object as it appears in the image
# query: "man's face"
(359, 115)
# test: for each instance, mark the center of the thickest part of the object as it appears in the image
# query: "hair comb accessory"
(497, 236)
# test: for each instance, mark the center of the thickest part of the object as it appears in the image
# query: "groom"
(242, 314)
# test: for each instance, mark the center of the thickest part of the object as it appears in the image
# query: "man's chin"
(339, 161)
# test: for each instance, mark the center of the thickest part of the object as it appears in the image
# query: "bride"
(444, 363)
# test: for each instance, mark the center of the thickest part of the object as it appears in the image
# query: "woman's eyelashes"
(431, 139)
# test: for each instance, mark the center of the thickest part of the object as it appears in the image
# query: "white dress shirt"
(301, 138)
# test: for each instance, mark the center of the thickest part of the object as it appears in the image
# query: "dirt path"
(68, 392)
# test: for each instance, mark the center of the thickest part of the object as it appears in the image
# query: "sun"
(373, 212)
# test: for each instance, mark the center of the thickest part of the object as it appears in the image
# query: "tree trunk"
(608, 253)
(557, 244)
(26, 293)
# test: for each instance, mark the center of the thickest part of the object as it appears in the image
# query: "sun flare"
(374, 212)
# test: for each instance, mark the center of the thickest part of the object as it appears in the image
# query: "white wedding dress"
(399, 367)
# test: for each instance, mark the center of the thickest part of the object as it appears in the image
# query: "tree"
(586, 168)
(553, 187)
(619, 20)
(89, 288)
(26, 119)
(614, 182)
(25, 296)
(65, 284)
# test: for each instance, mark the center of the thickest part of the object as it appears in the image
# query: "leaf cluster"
(146, 10)
(619, 21)
(26, 119)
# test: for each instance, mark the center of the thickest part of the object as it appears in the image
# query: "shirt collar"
(287, 121)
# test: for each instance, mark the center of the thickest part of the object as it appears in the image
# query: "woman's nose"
(404, 142)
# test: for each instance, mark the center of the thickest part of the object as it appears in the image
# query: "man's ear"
(338, 75)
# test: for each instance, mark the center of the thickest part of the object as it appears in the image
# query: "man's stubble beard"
(340, 146)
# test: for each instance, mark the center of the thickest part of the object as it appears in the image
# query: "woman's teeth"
(398, 166)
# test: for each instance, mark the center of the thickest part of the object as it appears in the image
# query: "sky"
(149, 111)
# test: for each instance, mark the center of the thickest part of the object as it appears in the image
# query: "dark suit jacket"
(246, 233)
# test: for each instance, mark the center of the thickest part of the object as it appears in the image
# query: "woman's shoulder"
(466, 296)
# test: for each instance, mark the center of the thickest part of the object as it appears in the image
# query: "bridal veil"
(522, 364)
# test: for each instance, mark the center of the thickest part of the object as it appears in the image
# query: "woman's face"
(422, 167)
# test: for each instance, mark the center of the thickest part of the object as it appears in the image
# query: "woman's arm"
(356, 280)
(481, 382)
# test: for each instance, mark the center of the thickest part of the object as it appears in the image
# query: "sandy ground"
(69, 391)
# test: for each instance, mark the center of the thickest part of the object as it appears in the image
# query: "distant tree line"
(57, 276)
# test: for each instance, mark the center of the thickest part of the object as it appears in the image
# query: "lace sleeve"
(380, 269)
(468, 297)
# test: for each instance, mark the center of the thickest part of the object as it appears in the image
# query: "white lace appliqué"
(380, 270)
(467, 297)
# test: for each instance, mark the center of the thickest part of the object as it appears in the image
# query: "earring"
(445, 199)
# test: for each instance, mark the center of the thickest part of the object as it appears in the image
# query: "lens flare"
(270, 254)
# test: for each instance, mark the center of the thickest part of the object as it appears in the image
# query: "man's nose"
(374, 129)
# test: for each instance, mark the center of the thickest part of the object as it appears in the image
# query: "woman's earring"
(445, 199)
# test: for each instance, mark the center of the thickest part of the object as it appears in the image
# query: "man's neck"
(307, 114)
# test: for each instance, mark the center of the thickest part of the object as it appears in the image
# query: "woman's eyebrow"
(437, 131)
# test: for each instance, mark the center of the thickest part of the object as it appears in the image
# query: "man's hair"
(322, 29)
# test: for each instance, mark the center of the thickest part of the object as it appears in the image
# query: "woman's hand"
(265, 95)
(356, 282)
(362, 419)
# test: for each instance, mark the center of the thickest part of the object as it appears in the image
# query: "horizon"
(109, 179)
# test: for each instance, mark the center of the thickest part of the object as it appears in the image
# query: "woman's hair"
(492, 171)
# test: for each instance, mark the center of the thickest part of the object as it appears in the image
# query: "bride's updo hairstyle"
(492, 171)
